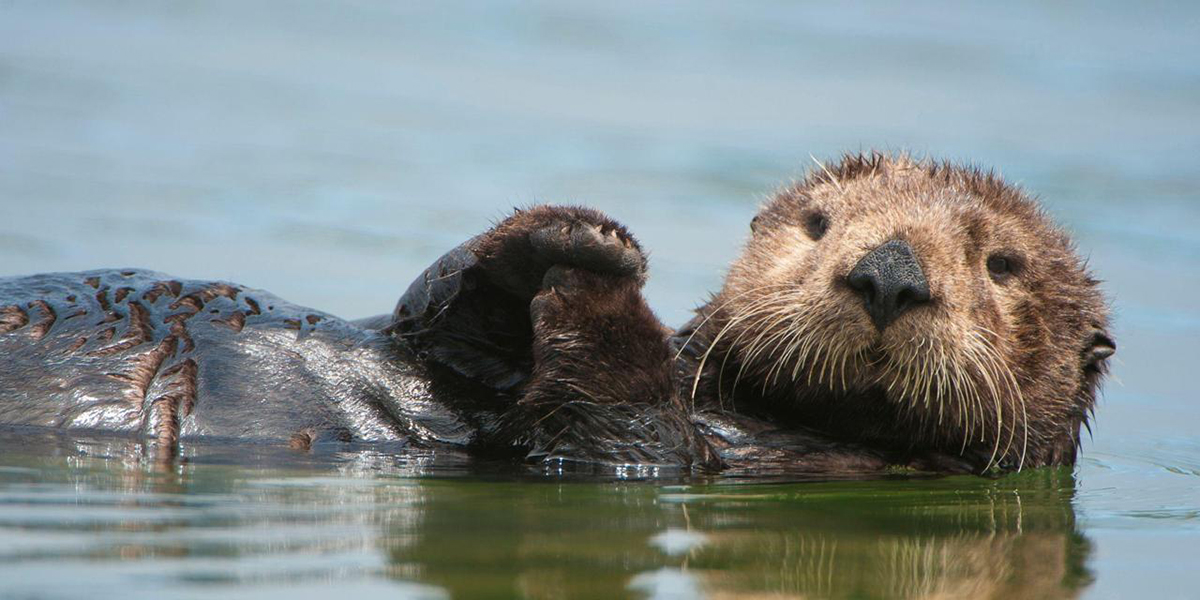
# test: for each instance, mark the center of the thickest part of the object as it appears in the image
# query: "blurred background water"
(328, 152)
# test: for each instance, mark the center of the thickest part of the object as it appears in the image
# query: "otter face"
(932, 297)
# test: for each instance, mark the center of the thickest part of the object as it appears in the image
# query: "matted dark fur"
(533, 338)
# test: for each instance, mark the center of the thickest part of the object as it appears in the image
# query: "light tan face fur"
(1001, 362)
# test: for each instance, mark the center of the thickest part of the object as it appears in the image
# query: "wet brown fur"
(535, 333)
(1003, 370)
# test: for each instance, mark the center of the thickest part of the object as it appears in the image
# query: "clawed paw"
(517, 253)
(601, 248)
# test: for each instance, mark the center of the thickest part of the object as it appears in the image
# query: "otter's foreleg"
(602, 389)
(469, 311)
(546, 307)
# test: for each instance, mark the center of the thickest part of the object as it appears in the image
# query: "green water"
(328, 152)
(86, 520)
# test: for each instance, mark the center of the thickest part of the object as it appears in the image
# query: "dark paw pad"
(598, 248)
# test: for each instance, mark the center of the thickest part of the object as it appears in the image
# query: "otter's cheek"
(785, 270)
(787, 260)
(842, 310)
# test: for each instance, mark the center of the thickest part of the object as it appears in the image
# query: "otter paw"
(583, 304)
(517, 252)
(564, 286)
(598, 247)
(570, 282)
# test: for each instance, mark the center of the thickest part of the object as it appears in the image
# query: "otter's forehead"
(888, 196)
(915, 186)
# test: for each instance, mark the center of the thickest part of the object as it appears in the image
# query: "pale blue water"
(329, 152)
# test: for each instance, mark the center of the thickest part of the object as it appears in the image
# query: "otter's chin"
(944, 387)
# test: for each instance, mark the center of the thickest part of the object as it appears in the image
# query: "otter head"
(916, 303)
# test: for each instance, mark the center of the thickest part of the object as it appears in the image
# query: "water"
(329, 152)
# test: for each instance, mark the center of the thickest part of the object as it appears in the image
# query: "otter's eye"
(1001, 267)
(816, 224)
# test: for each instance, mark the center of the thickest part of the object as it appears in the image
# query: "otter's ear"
(1100, 347)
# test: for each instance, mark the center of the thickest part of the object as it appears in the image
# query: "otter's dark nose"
(890, 281)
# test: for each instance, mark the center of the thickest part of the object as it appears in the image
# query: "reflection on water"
(1015, 538)
(91, 516)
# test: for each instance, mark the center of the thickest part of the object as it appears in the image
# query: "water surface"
(329, 152)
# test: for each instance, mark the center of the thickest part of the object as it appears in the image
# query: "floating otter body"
(168, 358)
(885, 313)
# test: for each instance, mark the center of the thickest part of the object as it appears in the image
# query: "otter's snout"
(890, 281)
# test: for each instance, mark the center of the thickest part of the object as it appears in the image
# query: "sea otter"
(887, 313)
